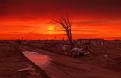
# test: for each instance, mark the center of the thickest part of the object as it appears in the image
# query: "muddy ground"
(11, 60)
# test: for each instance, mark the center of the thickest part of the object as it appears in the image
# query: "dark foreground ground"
(10, 61)
(97, 65)
(13, 64)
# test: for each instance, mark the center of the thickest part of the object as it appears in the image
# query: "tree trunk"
(69, 35)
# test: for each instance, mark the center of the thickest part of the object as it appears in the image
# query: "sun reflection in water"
(38, 59)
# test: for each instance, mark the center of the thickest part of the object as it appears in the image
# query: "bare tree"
(67, 26)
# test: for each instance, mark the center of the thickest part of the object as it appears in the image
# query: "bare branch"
(66, 24)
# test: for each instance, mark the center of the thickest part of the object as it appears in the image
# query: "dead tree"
(67, 26)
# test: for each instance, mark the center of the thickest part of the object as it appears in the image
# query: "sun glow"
(51, 28)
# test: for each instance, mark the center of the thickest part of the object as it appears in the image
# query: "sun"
(51, 28)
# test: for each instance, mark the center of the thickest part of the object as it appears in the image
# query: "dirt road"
(60, 66)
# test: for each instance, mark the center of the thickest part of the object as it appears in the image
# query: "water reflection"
(39, 59)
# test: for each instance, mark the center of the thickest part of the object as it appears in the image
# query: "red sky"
(32, 19)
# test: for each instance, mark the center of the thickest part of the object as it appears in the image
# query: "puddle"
(38, 59)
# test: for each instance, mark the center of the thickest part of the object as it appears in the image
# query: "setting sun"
(51, 28)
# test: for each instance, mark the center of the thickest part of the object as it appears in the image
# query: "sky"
(33, 19)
